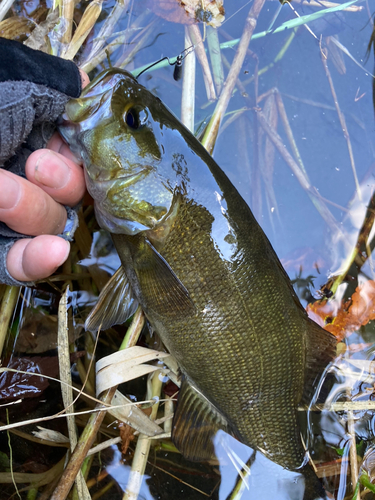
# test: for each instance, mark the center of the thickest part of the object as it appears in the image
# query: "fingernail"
(9, 191)
(66, 254)
(52, 171)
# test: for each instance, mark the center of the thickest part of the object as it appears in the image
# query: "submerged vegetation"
(277, 85)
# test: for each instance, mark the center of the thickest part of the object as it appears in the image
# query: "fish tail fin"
(314, 489)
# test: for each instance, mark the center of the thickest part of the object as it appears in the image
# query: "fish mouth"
(125, 180)
(106, 180)
(100, 185)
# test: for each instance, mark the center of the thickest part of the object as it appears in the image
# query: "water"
(305, 243)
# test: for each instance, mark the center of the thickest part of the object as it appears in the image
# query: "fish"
(207, 278)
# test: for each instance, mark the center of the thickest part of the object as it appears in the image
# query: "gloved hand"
(35, 183)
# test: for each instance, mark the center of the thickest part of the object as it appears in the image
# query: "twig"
(213, 127)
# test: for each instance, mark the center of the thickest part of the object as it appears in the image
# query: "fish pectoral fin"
(195, 423)
(159, 285)
(320, 351)
(115, 305)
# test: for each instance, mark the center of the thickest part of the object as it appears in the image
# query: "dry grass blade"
(88, 436)
(37, 39)
(106, 31)
(288, 130)
(86, 24)
(188, 87)
(67, 18)
(90, 64)
(125, 365)
(168, 413)
(243, 474)
(301, 177)
(67, 393)
(36, 480)
(267, 155)
(196, 38)
(16, 28)
(143, 446)
(5, 5)
(130, 414)
(144, 39)
(215, 56)
(54, 437)
(64, 364)
(353, 451)
(8, 304)
(37, 438)
(213, 127)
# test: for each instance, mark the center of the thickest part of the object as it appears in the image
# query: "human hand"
(35, 207)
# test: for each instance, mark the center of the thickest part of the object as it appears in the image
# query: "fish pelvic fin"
(320, 351)
(195, 423)
(115, 305)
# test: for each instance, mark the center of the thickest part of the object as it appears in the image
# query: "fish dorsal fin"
(161, 289)
(320, 351)
(115, 305)
(195, 423)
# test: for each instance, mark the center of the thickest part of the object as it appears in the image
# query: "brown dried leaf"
(127, 436)
(16, 28)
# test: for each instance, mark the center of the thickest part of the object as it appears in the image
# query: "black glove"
(34, 88)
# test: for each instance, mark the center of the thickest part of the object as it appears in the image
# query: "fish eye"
(135, 117)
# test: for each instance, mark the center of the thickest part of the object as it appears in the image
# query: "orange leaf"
(342, 321)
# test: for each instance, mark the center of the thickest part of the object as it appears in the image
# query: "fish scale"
(235, 357)
(196, 260)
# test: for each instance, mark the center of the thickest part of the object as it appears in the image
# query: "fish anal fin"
(115, 305)
(320, 351)
(161, 289)
(195, 423)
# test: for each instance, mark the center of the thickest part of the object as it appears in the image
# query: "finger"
(27, 209)
(57, 144)
(37, 258)
(84, 78)
(58, 176)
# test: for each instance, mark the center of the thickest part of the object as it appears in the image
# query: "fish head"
(116, 126)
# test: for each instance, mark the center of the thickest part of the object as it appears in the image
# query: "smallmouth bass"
(195, 259)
